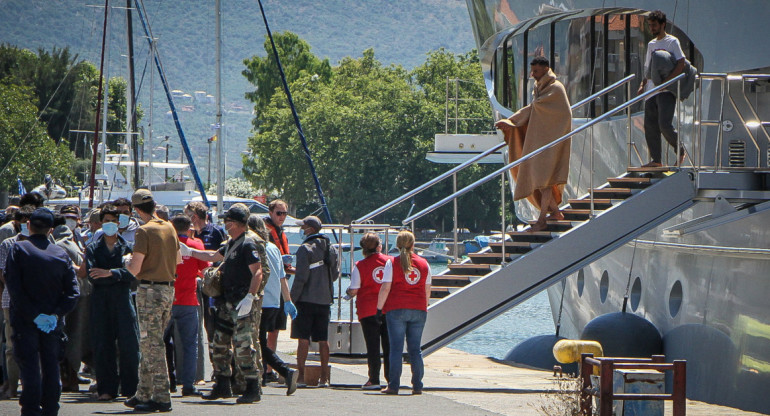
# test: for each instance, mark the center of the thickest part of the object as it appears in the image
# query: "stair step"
(585, 203)
(438, 292)
(452, 280)
(613, 193)
(578, 214)
(534, 236)
(490, 258)
(644, 170)
(469, 269)
(513, 247)
(632, 182)
(555, 225)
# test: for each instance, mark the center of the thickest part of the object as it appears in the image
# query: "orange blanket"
(546, 119)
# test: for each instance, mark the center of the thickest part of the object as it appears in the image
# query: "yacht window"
(604, 286)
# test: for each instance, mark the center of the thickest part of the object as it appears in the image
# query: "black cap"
(42, 216)
(238, 212)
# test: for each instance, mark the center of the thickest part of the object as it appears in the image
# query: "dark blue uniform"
(113, 318)
(40, 280)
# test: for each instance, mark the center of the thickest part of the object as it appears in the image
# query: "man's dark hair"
(198, 208)
(58, 220)
(271, 206)
(181, 223)
(541, 61)
(122, 202)
(32, 198)
(23, 213)
(108, 209)
(657, 16)
(146, 207)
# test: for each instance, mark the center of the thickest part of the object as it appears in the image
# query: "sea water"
(496, 337)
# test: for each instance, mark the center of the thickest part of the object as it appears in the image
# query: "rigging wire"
(297, 121)
(630, 270)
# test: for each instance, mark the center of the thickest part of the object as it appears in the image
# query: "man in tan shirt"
(156, 254)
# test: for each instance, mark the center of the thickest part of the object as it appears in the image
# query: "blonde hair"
(405, 245)
(369, 243)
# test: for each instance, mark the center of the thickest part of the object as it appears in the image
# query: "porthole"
(604, 286)
(636, 293)
(675, 299)
(581, 282)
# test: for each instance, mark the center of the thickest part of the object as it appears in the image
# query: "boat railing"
(517, 162)
(753, 126)
(472, 161)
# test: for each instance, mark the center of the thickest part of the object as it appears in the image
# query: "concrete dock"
(456, 383)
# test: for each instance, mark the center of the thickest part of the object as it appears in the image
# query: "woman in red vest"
(403, 298)
(365, 282)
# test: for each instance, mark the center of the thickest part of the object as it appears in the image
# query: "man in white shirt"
(659, 108)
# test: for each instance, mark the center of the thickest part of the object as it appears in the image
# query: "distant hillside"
(400, 31)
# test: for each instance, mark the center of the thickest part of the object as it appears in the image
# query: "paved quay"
(456, 383)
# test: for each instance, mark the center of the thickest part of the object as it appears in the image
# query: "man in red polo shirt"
(184, 312)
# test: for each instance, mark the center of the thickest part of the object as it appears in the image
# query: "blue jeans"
(407, 323)
(185, 318)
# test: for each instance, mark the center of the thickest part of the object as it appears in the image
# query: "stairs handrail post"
(534, 153)
(679, 153)
(628, 126)
(502, 210)
(454, 189)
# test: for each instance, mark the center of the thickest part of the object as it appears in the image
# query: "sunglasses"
(281, 213)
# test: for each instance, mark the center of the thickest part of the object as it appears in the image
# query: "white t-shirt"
(668, 43)
(388, 273)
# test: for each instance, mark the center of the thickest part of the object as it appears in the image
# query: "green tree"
(26, 151)
(369, 127)
(236, 187)
(296, 61)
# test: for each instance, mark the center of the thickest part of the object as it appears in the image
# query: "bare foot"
(538, 226)
(556, 215)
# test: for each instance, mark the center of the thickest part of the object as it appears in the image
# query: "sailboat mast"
(98, 108)
(218, 126)
(131, 102)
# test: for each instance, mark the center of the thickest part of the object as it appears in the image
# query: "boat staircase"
(507, 273)
(471, 293)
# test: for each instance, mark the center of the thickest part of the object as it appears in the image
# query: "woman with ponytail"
(404, 298)
(365, 282)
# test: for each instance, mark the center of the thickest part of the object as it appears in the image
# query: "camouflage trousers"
(153, 311)
(236, 337)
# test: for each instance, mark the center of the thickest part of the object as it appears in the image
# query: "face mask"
(24, 229)
(122, 221)
(71, 223)
(110, 228)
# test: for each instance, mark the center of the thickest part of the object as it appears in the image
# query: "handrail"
(480, 156)
(542, 149)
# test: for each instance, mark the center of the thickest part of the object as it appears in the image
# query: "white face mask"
(123, 220)
(71, 223)
(24, 229)
(110, 228)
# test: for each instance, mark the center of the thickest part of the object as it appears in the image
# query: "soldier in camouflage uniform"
(238, 307)
(156, 254)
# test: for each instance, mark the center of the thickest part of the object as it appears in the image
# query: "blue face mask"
(110, 228)
(24, 229)
(123, 220)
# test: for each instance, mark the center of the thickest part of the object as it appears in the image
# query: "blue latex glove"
(290, 309)
(51, 325)
(41, 321)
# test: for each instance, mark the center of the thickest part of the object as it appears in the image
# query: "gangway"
(635, 203)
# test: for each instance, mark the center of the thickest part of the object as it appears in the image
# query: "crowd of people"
(118, 295)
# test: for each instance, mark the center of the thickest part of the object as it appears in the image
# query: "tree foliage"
(369, 127)
(236, 187)
(26, 151)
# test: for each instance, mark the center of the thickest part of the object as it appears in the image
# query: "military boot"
(252, 393)
(221, 389)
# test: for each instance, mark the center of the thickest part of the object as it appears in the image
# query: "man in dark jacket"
(113, 317)
(316, 271)
(43, 288)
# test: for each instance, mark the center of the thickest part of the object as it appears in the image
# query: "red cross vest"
(371, 270)
(408, 291)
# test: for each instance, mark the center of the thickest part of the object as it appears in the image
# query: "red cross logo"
(378, 273)
(413, 277)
